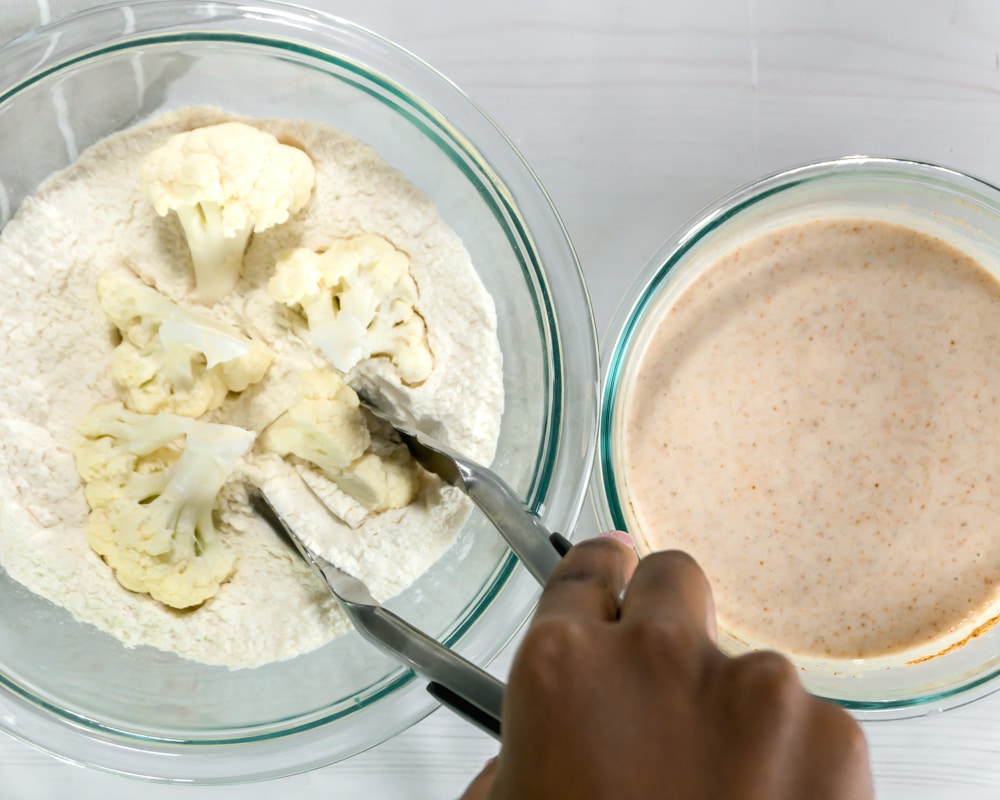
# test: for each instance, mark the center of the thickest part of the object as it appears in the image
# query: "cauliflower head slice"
(225, 182)
(328, 428)
(152, 500)
(358, 298)
(171, 359)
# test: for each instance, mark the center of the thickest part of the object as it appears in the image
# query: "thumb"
(480, 787)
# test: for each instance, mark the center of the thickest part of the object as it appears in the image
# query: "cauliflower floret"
(380, 483)
(152, 502)
(225, 182)
(327, 427)
(171, 359)
(358, 299)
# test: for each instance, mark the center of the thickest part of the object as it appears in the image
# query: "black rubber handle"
(473, 713)
(560, 543)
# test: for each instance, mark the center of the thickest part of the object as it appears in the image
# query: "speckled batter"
(816, 421)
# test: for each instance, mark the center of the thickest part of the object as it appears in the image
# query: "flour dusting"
(56, 343)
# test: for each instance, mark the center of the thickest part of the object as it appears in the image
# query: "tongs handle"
(537, 549)
(527, 537)
(458, 683)
(479, 695)
(488, 723)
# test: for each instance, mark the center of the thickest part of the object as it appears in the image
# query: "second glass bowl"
(962, 211)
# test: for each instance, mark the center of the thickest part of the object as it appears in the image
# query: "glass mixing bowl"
(80, 694)
(962, 211)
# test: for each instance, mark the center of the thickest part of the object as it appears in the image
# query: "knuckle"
(856, 746)
(549, 648)
(591, 561)
(678, 557)
(676, 561)
(843, 730)
(856, 751)
(598, 575)
(580, 573)
(664, 634)
(844, 748)
(768, 681)
(667, 644)
(599, 544)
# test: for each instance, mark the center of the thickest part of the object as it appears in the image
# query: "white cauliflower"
(225, 182)
(327, 427)
(358, 297)
(152, 500)
(171, 359)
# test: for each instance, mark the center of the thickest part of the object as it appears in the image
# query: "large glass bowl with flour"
(79, 693)
(961, 661)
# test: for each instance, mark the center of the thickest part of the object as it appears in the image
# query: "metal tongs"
(454, 681)
(537, 549)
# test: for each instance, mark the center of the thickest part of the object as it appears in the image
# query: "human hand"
(632, 699)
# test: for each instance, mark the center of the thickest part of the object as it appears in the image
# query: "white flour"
(55, 345)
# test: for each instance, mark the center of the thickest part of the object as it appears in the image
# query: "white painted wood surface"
(635, 115)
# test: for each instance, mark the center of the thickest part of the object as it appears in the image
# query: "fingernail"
(620, 536)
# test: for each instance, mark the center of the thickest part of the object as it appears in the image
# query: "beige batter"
(816, 420)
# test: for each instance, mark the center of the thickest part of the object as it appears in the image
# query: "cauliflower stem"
(153, 501)
(225, 182)
(217, 258)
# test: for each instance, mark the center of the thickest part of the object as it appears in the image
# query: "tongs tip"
(348, 588)
(263, 506)
(432, 455)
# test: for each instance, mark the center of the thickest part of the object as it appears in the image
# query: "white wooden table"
(635, 115)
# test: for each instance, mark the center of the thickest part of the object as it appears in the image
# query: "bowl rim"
(571, 406)
(642, 293)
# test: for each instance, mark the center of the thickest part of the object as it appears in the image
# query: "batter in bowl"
(815, 420)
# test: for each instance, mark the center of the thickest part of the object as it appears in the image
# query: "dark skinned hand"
(632, 700)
